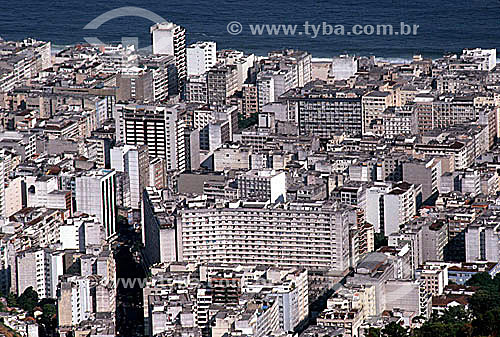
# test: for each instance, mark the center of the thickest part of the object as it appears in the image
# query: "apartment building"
(434, 276)
(242, 63)
(21, 61)
(74, 303)
(40, 227)
(343, 67)
(322, 110)
(158, 127)
(426, 173)
(476, 59)
(398, 121)
(434, 240)
(440, 112)
(196, 89)
(3, 202)
(157, 173)
(262, 185)
(297, 62)
(8, 272)
(348, 308)
(225, 299)
(39, 268)
(158, 228)
(374, 104)
(201, 56)
(232, 157)
(390, 205)
(164, 76)
(310, 235)
(95, 194)
(23, 143)
(271, 84)
(403, 198)
(97, 150)
(482, 238)
(134, 162)
(170, 39)
(136, 84)
(43, 191)
(222, 83)
(250, 100)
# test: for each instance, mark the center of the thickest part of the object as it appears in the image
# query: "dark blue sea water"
(445, 25)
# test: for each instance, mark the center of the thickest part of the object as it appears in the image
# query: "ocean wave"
(399, 60)
(60, 47)
(321, 59)
(404, 60)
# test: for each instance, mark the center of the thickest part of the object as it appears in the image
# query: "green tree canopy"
(28, 299)
(394, 330)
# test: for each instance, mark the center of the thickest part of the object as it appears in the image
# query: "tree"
(28, 299)
(12, 300)
(451, 323)
(48, 318)
(485, 304)
(482, 318)
(493, 319)
(122, 222)
(393, 329)
(454, 315)
(244, 123)
(373, 332)
(482, 280)
(483, 301)
(380, 240)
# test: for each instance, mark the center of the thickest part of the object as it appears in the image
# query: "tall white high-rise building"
(482, 238)
(40, 269)
(3, 208)
(96, 195)
(390, 205)
(134, 162)
(201, 56)
(74, 301)
(272, 84)
(484, 59)
(343, 67)
(265, 88)
(170, 39)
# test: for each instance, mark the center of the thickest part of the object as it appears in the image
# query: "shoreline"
(390, 59)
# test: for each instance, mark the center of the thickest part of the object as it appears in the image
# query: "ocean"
(444, 26)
